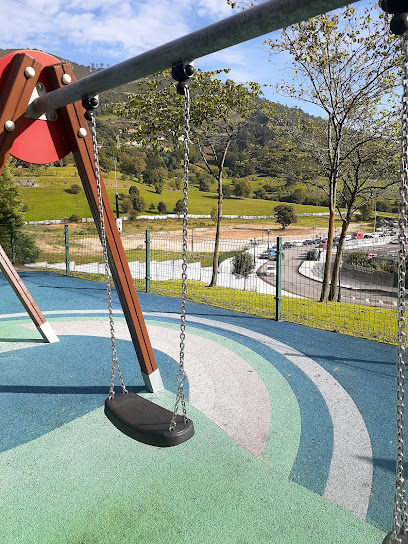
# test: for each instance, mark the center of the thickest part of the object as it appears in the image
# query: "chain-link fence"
(365, 303)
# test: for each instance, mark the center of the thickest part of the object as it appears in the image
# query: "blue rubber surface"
(51, 390)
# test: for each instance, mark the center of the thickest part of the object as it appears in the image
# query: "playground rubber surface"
(294, 428)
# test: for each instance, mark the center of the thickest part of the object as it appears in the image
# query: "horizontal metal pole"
(245, 25)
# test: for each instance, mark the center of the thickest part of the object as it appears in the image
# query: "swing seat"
(145, 421)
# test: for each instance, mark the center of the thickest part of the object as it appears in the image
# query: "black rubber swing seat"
(145, 421)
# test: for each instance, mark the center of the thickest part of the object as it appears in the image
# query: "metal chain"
(115, 364)
(181, 376)
(399, 526)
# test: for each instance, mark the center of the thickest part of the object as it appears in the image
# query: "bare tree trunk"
(213, 282)
(333, 141)
(327, 265)
(338, 258)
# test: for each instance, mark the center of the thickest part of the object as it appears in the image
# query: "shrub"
(243, 265)
(26, 249)
(178, 208)
(74, 218)
(75, 189)
(161, 207)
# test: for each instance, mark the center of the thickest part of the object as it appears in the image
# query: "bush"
(243, 265)
(161, 207)
(74, 218)
(26, 249)
(75, 189)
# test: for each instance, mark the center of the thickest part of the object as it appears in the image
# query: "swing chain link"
(115, 364)
(181, 376)
(400, 519)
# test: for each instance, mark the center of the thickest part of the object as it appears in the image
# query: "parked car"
(297, 243)
(287, 245)
(308, 242)
(270, 270)
(313, 254)
(368, 235)
(357, 235)
(267, 254)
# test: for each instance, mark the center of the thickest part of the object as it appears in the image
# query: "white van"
(270, 270)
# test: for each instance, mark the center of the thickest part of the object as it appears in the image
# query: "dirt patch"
(259, 231)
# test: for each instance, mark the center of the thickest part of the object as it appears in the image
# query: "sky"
(111, 31)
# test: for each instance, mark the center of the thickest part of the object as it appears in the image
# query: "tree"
(179, 206)
(133, 190)
(285, 215)
(159, 186)
(161, 207)
(138, 204)
(204, 181)
(344, 63)
(11, 213)
(242, 188)
(132, 161)
(227, 190)
(218, 109)
(370, 170)
(10, 200)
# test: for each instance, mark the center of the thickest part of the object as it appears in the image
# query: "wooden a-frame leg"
(14, 99)
(82, 147)
(43, 327)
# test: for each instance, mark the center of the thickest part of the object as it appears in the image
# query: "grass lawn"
(51, 199)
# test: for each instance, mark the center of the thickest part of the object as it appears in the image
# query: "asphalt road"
(356, 292)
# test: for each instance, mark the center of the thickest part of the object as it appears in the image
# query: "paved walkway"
(294, 428)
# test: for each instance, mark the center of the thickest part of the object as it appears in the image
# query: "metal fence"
(365, 306)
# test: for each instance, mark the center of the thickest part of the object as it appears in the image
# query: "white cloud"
(109, 31)
(225, 58)
(214, 8)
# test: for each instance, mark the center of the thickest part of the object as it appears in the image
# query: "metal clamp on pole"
(90, 103)
(182, 73)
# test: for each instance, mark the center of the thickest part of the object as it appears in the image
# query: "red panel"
(38, 141)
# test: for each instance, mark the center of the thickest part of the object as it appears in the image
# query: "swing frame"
(14, 101)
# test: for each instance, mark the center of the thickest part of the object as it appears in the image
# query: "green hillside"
(51, 198)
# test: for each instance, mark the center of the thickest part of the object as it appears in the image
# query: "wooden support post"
(43, 327)
(21, 79)
(82, 148)
(14, 98)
